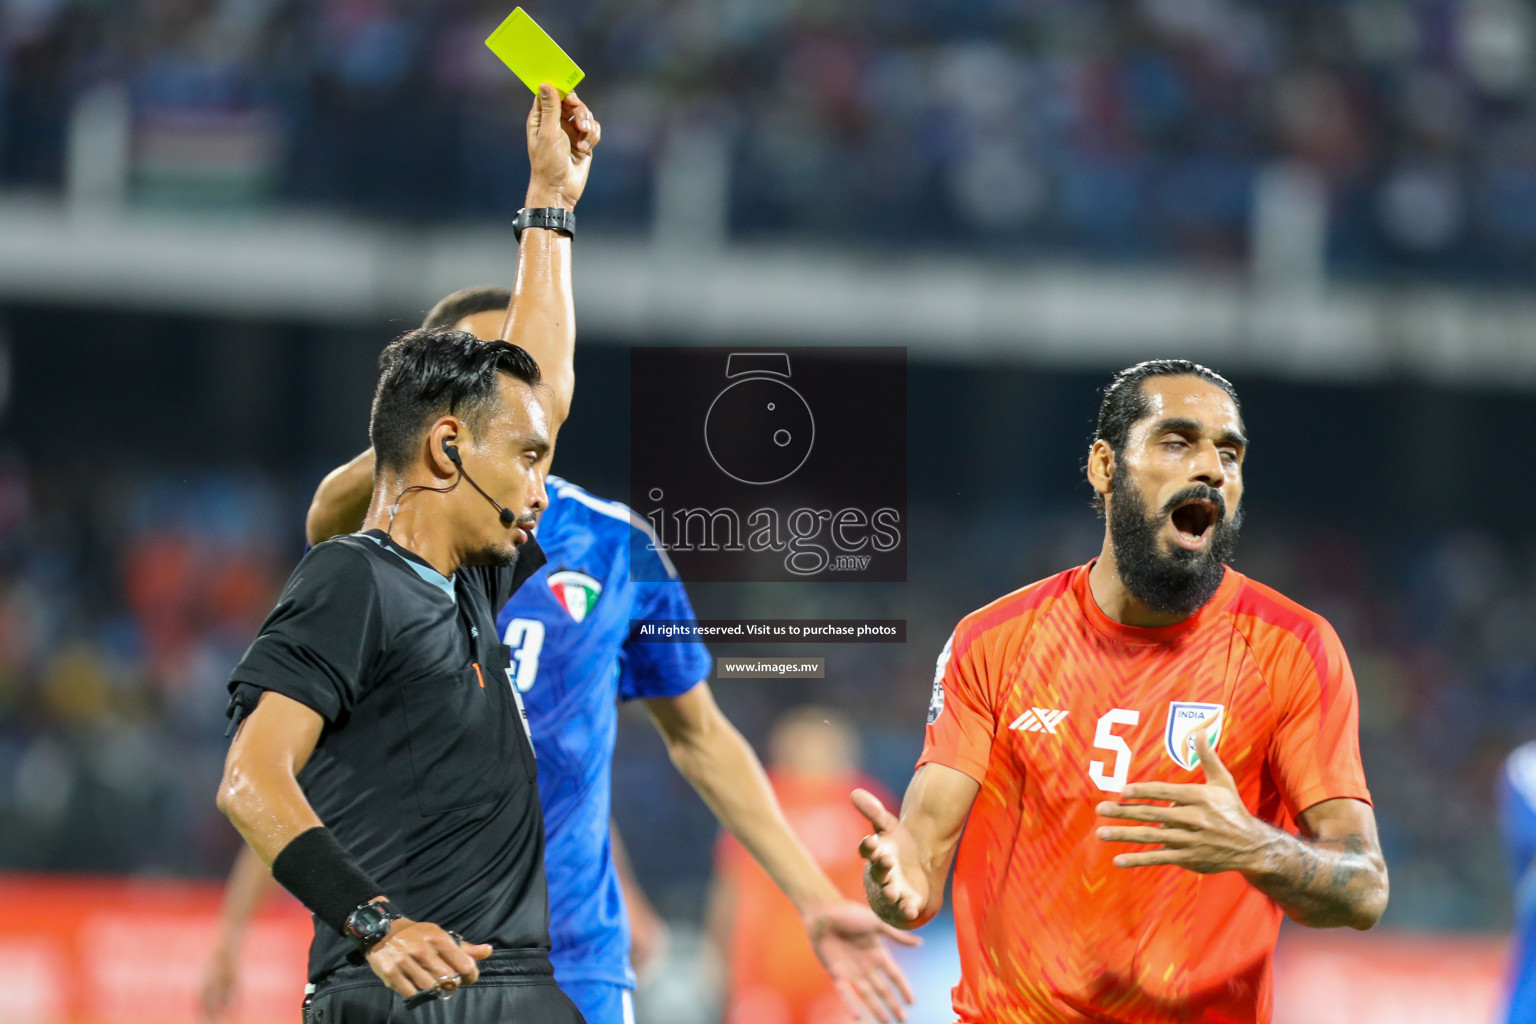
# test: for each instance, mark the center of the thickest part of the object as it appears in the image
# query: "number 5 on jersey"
(1112, 780)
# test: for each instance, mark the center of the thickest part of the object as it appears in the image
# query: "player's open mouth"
(1193, 523)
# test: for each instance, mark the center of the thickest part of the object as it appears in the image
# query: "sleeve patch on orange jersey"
(936, 702)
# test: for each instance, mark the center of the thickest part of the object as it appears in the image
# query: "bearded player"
(1152, 756)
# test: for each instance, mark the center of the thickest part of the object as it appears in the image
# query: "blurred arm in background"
(720, 906)
(721, 765)
(249, 884)
(647, 930)
(541, 318)
(909, 858)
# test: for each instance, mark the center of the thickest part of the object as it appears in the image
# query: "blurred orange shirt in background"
(774, 975)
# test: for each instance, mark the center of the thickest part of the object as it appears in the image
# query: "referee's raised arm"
(541, 317)
(260, 794)
(537, 314)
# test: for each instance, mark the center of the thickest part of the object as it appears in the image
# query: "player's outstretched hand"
(417, 956)
(846, 936)
(1206, 830)
(561, 136)
(896, 894)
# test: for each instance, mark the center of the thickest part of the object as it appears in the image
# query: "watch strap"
(555, 218)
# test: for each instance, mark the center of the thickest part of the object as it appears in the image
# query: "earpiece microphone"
(508, 517)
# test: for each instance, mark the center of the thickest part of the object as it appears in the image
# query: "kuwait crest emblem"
(1185, 719)
(576, 591)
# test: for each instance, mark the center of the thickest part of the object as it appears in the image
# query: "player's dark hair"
(467, 302)
(1125, 403)
(426, 373)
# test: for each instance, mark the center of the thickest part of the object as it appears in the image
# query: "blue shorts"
(601, 1002)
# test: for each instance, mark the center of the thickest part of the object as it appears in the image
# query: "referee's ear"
(443, 435)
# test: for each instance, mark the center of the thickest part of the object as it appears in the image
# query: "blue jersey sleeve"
(1517, 810)
(661, 669)
(1517, 824)
(1519, 828)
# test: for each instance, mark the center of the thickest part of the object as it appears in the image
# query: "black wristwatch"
(369, 924)
(555, 218)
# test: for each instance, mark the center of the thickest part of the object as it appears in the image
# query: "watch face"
(759, 430)
(370, 923)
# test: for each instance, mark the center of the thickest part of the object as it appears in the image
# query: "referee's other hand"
(417, 956)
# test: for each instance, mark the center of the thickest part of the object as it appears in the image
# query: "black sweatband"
(324, 877)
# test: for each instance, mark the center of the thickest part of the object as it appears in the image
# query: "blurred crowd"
(118, 619)
(1110, 129)
(124, 605)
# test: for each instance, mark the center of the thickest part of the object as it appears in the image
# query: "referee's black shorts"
(515, 986)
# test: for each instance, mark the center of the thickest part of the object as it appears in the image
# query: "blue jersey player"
(568, 629)
(1517, 824)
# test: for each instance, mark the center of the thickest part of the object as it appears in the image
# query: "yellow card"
(532, 55)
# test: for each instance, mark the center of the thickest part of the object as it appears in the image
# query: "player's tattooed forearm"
(1350, 862)
(1326, 883)
(1309, 866)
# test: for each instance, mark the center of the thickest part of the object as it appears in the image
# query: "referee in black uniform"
(383, 767)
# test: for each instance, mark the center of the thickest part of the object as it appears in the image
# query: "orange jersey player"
(1131, 748)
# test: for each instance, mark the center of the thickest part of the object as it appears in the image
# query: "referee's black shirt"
(424, 770)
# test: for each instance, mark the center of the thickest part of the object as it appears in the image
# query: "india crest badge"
(1184, 719)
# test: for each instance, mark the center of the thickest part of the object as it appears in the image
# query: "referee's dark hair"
(1125, 403)
(465, 302)
(426, 373)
